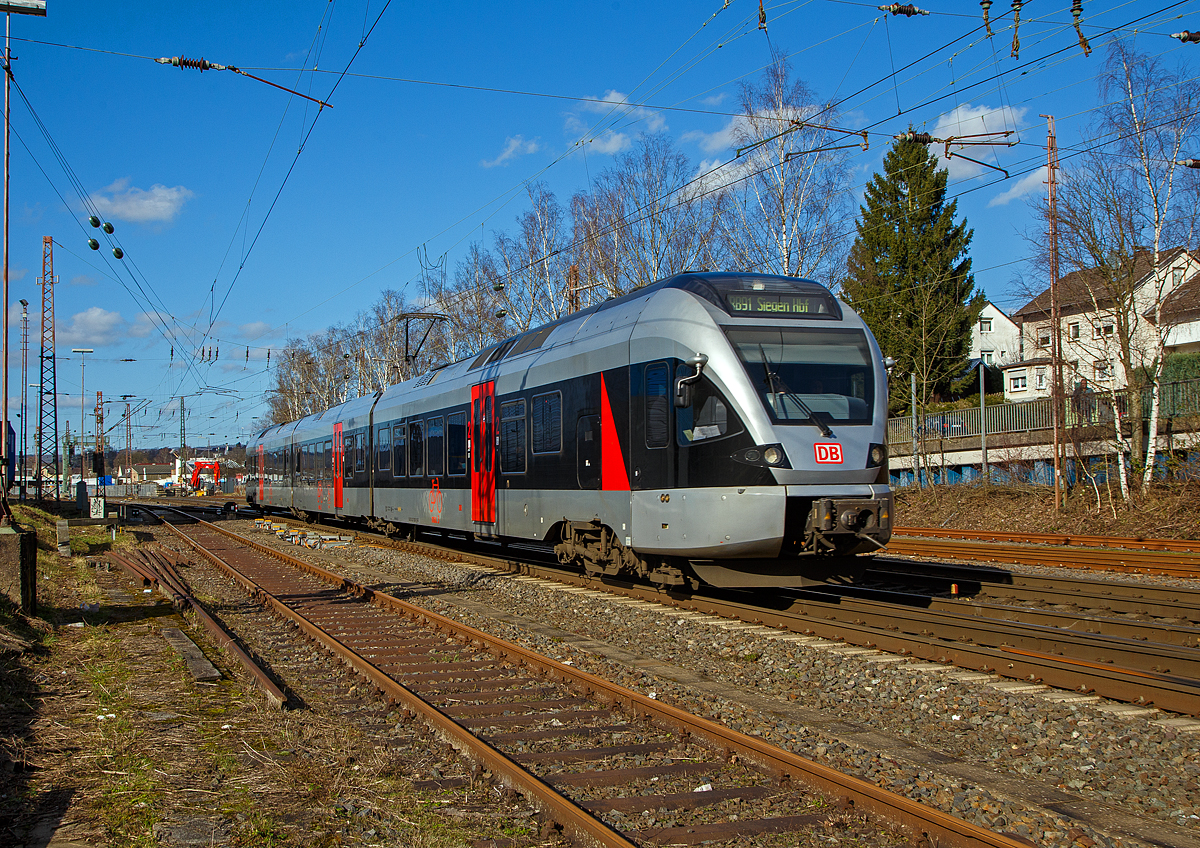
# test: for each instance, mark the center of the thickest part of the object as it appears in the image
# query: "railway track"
(1033, 630)
(580, 748)
(1133, 556)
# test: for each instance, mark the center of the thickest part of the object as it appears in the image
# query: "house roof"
(1184, 302)
(1025, 363)
(1077, 288)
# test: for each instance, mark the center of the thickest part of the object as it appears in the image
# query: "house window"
(985, 325)
(1017, 383)
(986, 356)
(1073, 330)
(1176, 276)
(1039, 379)
(1100, 331)
(1102, 369)
(1043, 337)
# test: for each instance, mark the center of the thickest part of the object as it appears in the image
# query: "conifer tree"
(909, 275)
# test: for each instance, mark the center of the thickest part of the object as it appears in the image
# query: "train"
(713, 427)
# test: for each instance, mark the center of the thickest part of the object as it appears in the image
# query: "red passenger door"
(482, 452)
(339, 459)
(262, 474)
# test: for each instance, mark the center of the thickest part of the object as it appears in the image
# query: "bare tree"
(646, 218)
(792, 189)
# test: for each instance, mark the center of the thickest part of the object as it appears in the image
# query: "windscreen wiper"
(772, 379)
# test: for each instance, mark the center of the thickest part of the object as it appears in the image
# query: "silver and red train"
(722, 426)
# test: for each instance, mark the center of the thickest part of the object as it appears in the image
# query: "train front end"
(780, 403)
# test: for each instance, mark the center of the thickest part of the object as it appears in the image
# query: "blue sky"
(447, 110)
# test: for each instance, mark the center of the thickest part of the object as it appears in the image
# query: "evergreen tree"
(909, 275)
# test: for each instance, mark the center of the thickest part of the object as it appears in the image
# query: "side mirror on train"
(683, 386)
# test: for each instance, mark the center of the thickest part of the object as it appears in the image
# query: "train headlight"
(876, 455)
(769, 456)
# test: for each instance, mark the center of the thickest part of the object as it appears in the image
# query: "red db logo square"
(828, 453)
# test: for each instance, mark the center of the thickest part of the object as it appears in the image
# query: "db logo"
(828, 453)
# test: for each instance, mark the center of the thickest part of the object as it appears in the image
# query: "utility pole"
(1055, 318)
(573, 288)
(98, 456)
(182, 442)
(24, 394)
(83, 352)
(983, 419)
(128, 442)
(47, 432)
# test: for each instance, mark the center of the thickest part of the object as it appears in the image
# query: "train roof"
(737, 294)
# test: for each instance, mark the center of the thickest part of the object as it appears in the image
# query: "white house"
(996, 338)
(1089, 318)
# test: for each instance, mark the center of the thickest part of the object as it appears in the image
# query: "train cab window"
(512, 437)
(360, 452)
(804, 373)
(399, 458)
(709, 416)
(456, 444)
(658, 405)
(347, 456)
(416, 449)
(547, 423)
(383, 448)
(435, 447)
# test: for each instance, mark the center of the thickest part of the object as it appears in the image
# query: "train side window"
(384, 448)
(547, 423)
(324, 452)
(709, 416)
(416, 449)
(347, 456)
(398, 456)
(658, 405)
(360, 452)
(512, 437)
(435, 447)
(456, 444)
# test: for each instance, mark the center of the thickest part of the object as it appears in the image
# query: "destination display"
(778, 304)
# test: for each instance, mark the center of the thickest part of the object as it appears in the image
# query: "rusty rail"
(1067, 539)
(157, 569)
(920, 821)
(1162, 562)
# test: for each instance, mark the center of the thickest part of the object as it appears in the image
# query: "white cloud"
(715, 142)
(1028, 184)
(612, 106)
(254, 330)
(15, 274)
(714, 100)
(158, 204)
(969, 120)
(610, 142)
(145, 326)
(93, 327)
(514, 146)
(83, 280)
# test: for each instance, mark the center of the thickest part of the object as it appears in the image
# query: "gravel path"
(1056, 768)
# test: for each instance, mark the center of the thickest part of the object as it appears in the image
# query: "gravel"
(929, 732)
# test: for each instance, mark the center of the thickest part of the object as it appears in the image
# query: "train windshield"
(806, 375)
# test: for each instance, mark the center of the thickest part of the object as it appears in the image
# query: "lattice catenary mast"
(47, 431)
